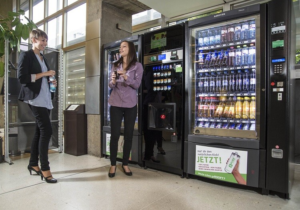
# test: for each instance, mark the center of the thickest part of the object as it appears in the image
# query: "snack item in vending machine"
(239, 126)
(206, 125)
(200, 124)
(219, 125)
(231, 126)
(225, 125)
(212, 125)
(246, 126)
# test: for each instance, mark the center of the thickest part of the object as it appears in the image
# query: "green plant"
(12, 29)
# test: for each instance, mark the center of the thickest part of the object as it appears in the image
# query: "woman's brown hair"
(36, 33)
(131, 57)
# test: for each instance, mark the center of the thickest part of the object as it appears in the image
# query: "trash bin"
(75, 130)
(13, 141)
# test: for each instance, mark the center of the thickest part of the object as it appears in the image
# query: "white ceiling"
(173, 8)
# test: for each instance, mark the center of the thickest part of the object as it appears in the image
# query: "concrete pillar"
(101, 29)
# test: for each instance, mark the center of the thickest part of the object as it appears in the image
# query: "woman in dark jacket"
(33, 74)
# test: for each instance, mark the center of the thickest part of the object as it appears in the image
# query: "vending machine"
(239, 118)
(109, 56)
(163, 99)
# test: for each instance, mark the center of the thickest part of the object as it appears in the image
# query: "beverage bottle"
(211, 36)
(207, 60)
(52, 86)
(238, 56)
(212, 83)
(232, 81)
(246, 108)
(205, 83)
(200, 39)
(231, 112)
(225, 82)
(219, 58)
(231, 53)
(239, 81)
(251, 56)
(225, 59)
(212, 107)
(200, 107)
(205, 38)
(226, 109)
(245, 31)
(213, 59)
(230, 33)
(252, 81)
(252, 108)
(246, 82)
(220, 108)
(218, 82)
(252, 29)
(205, 107)
(201, 58)
(218, 35)
(201, 83)
(237, 32)
(245, 54)
(223, 34)
(238, 108)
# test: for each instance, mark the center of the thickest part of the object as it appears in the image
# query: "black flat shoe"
(48, 179)
(32, 169)
(127, 173)
(111, 175)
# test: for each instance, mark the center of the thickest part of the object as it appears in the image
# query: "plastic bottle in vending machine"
(231, 61)
(211, 36)
(205, 83)
(225, 82)
(223, 34)
(237, 32)
(220, 107)
(245, 31)
(246, 81)
(252, 29)
(246, 108)
(212, 107)
(239, 81)
(238, 56)
(231, 112)
(201, 59)
(200, 39)
(205, 38)
(207, 60)
(245, 54)
(200, 107)
(251, 56)
(212, 83)
(219, 58)
(201, 83)
(225, 58)
(226, 109)
(252, 81)
(232, 81)
(205, 107)
(213, 59)
(218, 35)
(252, 108)
(230, 33)
(239, 108)
(219, 82)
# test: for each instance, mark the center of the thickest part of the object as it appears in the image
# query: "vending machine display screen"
(161, 57)
(159, 40)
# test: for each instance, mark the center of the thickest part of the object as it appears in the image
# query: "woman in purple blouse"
(125, 80)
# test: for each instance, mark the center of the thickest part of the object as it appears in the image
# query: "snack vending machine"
(110, 55)
(239, 69)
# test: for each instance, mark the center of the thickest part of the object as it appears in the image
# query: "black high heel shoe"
(111, 175)
(127, 173)
(32, 169)
(47, 179)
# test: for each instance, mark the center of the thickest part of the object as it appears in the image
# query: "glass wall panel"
(38, 10)
(24, 5)
(55, 33)
(75, 77)
(54, 6)
(76, 25)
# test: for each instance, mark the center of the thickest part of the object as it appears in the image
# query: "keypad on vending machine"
(278, 68)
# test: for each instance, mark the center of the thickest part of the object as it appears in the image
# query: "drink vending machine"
(163, 99)
(110, 55)
(239, 69)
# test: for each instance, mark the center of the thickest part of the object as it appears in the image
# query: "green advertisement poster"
(221, 164)
(159, 40)
(120, 146)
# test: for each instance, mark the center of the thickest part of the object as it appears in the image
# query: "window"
(76, 25)
(38, 10)
(75, 76)
(145, 16)
(55, 33)
(54, 6)
(70, 1)
(24, 5)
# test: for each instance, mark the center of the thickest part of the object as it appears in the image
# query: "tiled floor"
(83, 184)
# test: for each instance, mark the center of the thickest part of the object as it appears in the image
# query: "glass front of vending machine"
(225, 104)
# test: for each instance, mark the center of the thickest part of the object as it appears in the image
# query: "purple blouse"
(124, 93)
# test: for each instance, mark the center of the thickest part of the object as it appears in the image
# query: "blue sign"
(161, 57)
(278, 60)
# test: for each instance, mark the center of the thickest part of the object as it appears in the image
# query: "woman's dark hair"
(131, 57)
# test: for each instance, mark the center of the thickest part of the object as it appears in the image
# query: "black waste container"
(75, 130)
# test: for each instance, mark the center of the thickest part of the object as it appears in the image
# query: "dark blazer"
(28, 64)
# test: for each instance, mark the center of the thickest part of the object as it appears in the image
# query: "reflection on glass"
(55, 33)
(54, 6)
(75, 77)
(76, 25)
(38, 10)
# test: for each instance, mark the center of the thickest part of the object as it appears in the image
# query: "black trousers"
(116, 116)
(41, 139)
(150, 136)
